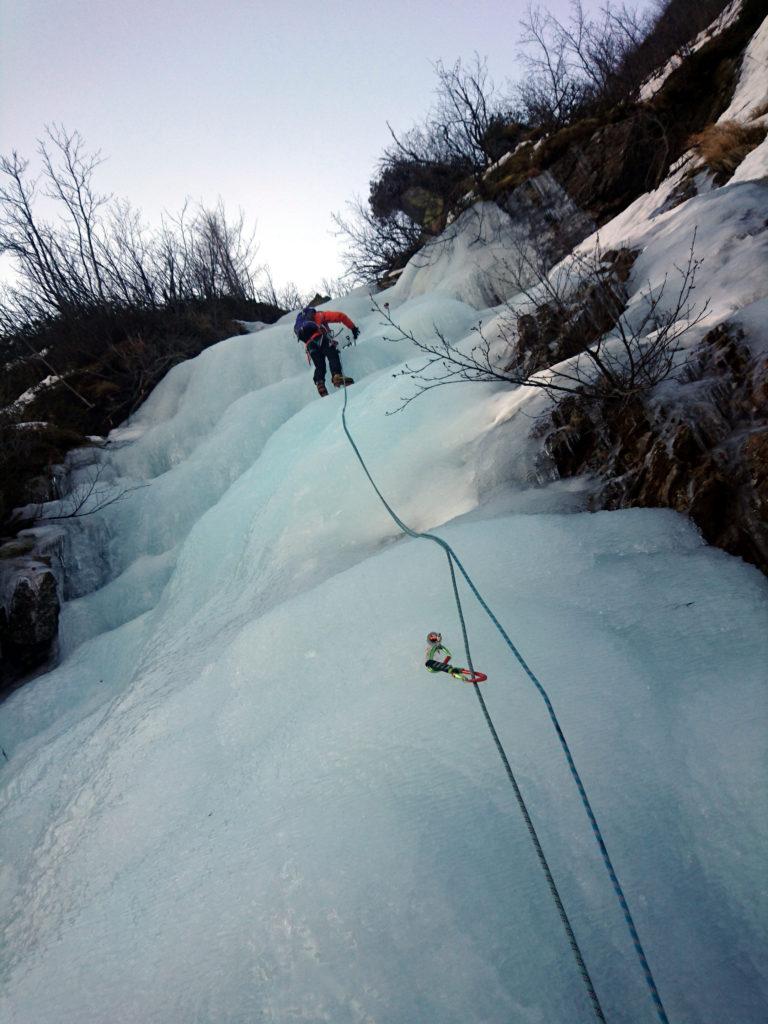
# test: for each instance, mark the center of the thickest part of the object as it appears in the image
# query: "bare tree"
(222, 255)
(549, 94)
(32, 245)
(577, 63)
(172, 254)
(127, 256)
(286, 296)
(336, 287)
(69, 170)
(98, 253)
(467, 111)
(424, 171)
(374, 244)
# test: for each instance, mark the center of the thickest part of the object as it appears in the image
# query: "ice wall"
(240, 797)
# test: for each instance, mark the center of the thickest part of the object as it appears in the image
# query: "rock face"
(567, 325)
(427, 208)
(606, 160)
(29, 614)
(619, 161)
(550, 214)
(705, 453)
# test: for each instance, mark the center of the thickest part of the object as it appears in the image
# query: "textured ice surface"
(240, 797)
(291, 820)
(468, 261)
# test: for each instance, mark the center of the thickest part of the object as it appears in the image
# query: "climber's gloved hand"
(355, 332)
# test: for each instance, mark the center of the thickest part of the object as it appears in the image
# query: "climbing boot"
(340, 381)
(322, 390)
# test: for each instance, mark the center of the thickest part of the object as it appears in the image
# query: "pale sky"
(280, 109)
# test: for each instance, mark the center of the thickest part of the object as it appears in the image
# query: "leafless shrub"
(60, 376)
(550, 94)
(467, 110)
(86, 499)
(374, 245)
(424, 171)
(588, 342)
(97, 253)
(27, 450)
(572, 64)
(458, 131)
(130, 370)
(336, 287)
(287, 296)
(584, 63)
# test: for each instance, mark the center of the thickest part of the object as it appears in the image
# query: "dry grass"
(723, 146)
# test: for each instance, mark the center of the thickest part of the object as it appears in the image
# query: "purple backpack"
(305, 325)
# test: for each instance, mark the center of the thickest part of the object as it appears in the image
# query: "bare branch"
(88, 498)
(567, 332)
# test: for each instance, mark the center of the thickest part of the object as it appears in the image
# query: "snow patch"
(31, 393)
(724, 20)
(752, 89)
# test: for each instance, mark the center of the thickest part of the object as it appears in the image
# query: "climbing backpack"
(305, 325)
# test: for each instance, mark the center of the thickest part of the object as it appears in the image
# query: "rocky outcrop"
(29, 611)
(571, 322)
(704, 453)
(424, 207)
(606, 160)
(606, 171)
(423, 190)
(550, 215)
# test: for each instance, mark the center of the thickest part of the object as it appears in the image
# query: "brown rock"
(17, 547)
(685, 448)
(29, 619)
(755, 452)
(711, 497)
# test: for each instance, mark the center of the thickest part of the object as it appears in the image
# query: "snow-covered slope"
(240, 797)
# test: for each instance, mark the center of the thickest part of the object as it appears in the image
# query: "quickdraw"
(435, 648)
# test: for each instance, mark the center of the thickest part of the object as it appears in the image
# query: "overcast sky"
(280, 109)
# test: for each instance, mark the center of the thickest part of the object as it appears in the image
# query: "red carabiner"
(473, 677)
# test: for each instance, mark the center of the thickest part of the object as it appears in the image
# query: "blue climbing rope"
(454, 559)
(572, 942)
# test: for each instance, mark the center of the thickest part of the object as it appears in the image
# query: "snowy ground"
(240, 797)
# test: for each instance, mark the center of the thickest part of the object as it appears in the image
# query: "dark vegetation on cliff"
(101, 307)
(576, 113)
(701, 448)
(83, 374)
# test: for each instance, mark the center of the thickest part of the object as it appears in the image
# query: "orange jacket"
(329, 317)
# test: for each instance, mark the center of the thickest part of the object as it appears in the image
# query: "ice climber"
(311, 327)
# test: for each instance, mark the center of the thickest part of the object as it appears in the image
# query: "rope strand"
(554, 892)
(452, 557)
